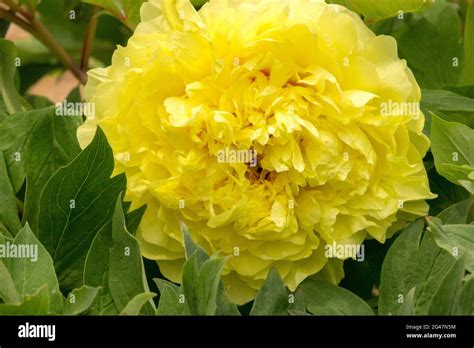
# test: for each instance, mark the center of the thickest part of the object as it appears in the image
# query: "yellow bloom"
(272, 128)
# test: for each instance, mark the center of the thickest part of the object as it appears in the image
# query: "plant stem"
(89, 39)
(10, 16)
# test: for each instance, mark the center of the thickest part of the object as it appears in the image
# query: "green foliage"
(468, 73)
(429, 277)
(322, 298)
(455, 239)
(75, 203)
(374, 10)
(12, 99)
(126, 270)
(272, 299)
(80, 300)
(430, 42)
(128, 11)
(453, 151)
(9, 221)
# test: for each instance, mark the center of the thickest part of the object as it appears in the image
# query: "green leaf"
(446, 297)
(7, 287)
(80, 300)
(128, 11)
(453, 150)
(134, 218)
(76, 202)
(96, 269)
(468, 71)
(36, 143)
(466, 301)
(224, 306)
(196, 258)
(272, 299)
(413, 261)
(191, 247)
(429, 42)
(374, 10)
(323, 298)
(201, 284)
(457, 213)
(34, 269)
(134, 307)
(126, 270)
(448, 193)
(12, 99)
(458, 240)
(96, 272)
(439, 100)
(8, 209)
(170, 303)
(198, 3)
(36, 304)
(408, 305)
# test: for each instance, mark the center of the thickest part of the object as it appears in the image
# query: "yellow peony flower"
(273, 128)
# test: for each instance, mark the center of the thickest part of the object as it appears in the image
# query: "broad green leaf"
(323, 298)
(462, 175)
(430, 42)
(136, 304)
(36, 144)
(76, 202)
(466, 301)
(8, 209)
(8, 292)
(224, 306)
(197, 256)
(458, 240)
(453, 149)
(457, 213)
(408, 305)
(297, 303)
(134, 218)
(190, 283)
(439, 100)
(198, 3)
(468, 71)
(446, 297)
(448, 193)
(126, 270)
(80, 300)
(413, 261)
(128, 11)
(379, 9)
(96, 272)
(35, 304)
(272, 299)
(201, 284)
(191, 247)
(8, 90)
(34, 269)
(170, 301)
